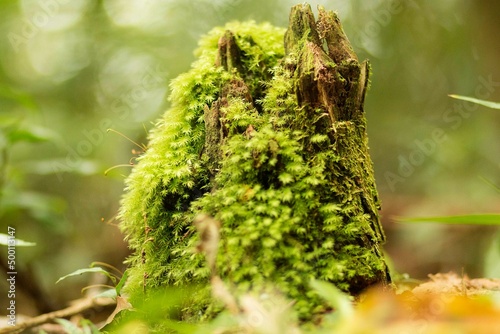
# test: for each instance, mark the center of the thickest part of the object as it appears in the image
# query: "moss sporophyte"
(266, 134)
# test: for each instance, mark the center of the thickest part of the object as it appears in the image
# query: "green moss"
(156, 210)
(293, 191)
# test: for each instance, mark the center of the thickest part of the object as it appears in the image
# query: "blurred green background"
(69, 70)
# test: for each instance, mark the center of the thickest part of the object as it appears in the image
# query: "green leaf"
(121, 283)
(33, 134)
(88, 270)
(474, 219)
(68, 326)
(87, 327)
(337, 299)
(61, 165)
(109, 293)
(489, 104)
(4, 240)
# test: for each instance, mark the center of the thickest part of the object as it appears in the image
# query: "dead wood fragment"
(80, 306)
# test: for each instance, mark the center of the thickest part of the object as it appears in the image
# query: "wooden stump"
(272, 143)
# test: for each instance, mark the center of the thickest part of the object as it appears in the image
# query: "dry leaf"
(121, 304)
(451, 283)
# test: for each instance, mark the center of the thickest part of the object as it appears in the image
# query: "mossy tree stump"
(271, 141)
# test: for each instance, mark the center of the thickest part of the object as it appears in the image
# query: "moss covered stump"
(267, 134)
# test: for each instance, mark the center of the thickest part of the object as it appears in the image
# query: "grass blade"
(87, 270)
(7, 240)
(474, 219)
(489, 104)
(340, 301)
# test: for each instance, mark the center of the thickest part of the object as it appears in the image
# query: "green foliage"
(85, 327)
(265, 313)
(473, 219)
(489, 104)
(14, 197)
(88, 270)
(115, 276)
(288, 209)
(341, 302)
(161, 311)
(4, 240)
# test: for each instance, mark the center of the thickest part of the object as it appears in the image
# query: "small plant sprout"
(142, 147)
(115, 276)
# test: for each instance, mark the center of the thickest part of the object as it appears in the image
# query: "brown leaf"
(121, 304)
(451, 283)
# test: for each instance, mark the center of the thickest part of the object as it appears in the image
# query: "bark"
(329, 76)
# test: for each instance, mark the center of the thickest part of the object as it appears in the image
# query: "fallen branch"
(79, 307)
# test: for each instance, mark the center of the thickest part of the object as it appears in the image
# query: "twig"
(82, 305)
